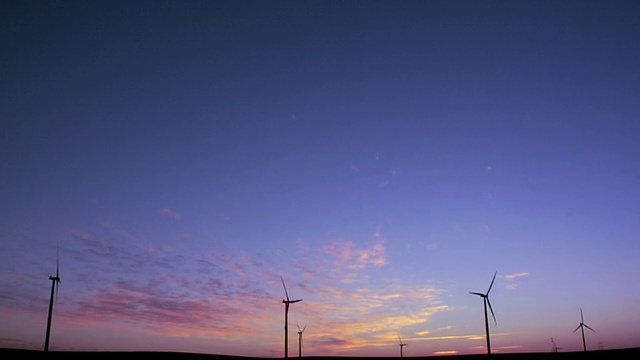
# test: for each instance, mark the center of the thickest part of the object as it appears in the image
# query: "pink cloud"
(346, 254)
(185, 235)
(516, 275)
(108, 225)
(171, 213)
(116, 229)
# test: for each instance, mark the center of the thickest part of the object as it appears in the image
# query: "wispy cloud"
(516, 275)
(171, 213)
(446, 352)
(371, 316)
(226, 295)
(347, 254)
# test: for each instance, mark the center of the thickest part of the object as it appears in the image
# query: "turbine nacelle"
(485, 299)
(401, 345)
(581, 326)
(286, 303)
(55, 282)
(300, 331)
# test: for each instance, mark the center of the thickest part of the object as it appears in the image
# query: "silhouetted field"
(36, 354)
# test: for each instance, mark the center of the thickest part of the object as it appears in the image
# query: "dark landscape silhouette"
(8, 353)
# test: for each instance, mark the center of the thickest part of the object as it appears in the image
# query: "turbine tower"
(485, 298)
(286, 303)
(401, 345)
(300, 331)
(55, 282)
(581, 327)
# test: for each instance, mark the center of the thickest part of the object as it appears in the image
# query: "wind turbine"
(401, 345)
(485, 298)
(300, 331)
(554, 346)
(286, 303)
(55, 282)
(581, 327)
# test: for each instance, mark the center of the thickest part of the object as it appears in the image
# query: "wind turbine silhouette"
(55, 282)
(286, 303)
(485, 298)
(401, 345)
(581, 327)
(554, 346)
(300, 331)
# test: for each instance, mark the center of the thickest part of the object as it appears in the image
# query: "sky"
(176, 161)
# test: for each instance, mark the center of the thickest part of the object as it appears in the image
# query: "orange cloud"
(347, 255)
(517, 275)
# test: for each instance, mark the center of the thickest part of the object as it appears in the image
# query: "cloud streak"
(116, 281)
(515, 276)
(170, 213)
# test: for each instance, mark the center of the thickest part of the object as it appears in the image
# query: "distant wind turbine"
(554, 346)
(401, 345)
(485, 298)
(300, 331)
(55, 282)
(286, 303)
(581, 327)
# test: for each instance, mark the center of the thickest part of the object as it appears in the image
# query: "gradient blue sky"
(384, 157)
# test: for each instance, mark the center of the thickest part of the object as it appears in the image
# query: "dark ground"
(632, 353)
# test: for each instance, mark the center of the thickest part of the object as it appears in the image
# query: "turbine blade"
(476, 293)
(581, 316)
(57, 279)
(492, 280)
(294, 301)
(490, 308)
(587, 326)
(58, 263)
(285, 288)
(577, 328)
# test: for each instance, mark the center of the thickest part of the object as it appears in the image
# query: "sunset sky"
(385, 158)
